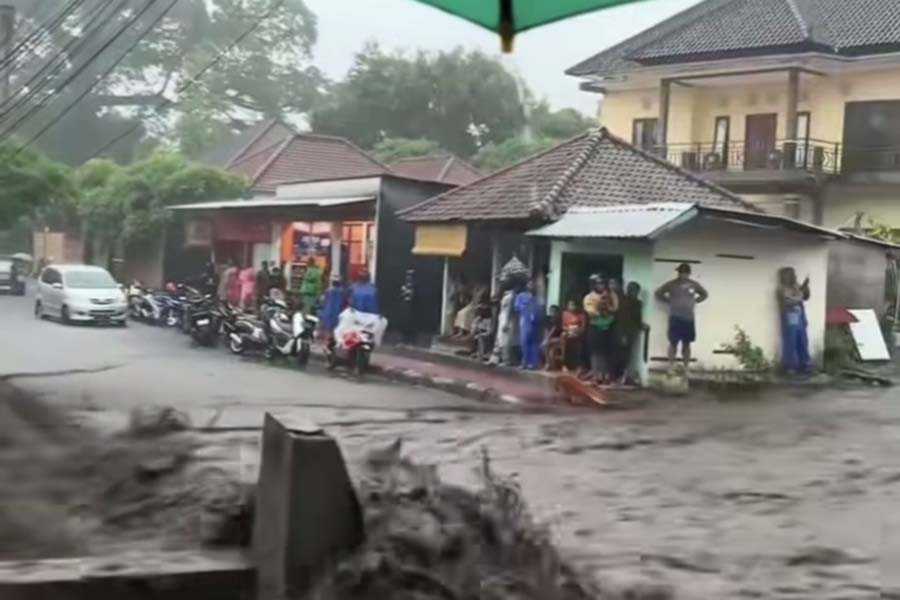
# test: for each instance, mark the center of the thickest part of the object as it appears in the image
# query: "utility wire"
(41, 78)
(40, 31)
(195, 79)
(6, 132)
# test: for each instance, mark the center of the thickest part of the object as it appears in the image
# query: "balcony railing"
(814, 156)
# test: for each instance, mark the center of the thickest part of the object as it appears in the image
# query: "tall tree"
(461, 100)
(390, 149)
(31, 184)
(268, 75)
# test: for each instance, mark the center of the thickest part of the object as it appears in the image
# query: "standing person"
(332, 305)
(682, 294)
(209, 278)
(247, 278)
(364, 295)
(795, 356)
(500, 355)
(629, 324)
(262, 282)
(232, 284)
(552, 344)
(528, 309)
(407, 296)
(311, 287)
(574, 323)
(276, 277)
(601, 305)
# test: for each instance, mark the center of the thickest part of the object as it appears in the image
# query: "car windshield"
(95, 280)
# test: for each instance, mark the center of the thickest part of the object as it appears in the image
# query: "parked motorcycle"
(204, 320)
(278, 332)
(142, 303)
(354, 339)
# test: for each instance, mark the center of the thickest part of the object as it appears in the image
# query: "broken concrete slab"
(307, 512)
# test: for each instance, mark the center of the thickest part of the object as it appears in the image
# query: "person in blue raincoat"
(795, 356)
(364, 295)
(528, 308)
(333, 301)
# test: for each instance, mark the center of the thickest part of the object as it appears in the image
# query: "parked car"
(12, 280)
(80, 293)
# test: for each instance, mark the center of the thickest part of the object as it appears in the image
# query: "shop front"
(346, 228)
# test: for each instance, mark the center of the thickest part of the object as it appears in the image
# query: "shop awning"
(272, 203)
(441, 240)
(623, 221)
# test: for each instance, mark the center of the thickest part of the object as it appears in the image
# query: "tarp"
(441, 240)
(509, 17)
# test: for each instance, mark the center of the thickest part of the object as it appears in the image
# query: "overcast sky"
(540, 55)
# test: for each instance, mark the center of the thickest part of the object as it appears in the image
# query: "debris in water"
(429, 540)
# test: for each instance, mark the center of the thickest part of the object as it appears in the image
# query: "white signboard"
(867, 335)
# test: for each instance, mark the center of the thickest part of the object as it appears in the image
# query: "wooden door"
(760, 139)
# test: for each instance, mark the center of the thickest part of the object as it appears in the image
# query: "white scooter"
(278, 333)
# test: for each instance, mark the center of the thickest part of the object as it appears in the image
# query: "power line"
(6, 132)
(71, 50)
(195, 79)
(46, 28)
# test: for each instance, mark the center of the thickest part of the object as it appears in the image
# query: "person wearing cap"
(682, 294)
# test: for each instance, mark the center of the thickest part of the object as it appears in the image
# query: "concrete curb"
(459, 387)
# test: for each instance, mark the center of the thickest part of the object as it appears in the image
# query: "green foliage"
(269, 75)
(128, 204)
(559, 125)
(461, 100)
(31, 184)
(496, 156)
(883, 231)
(840, 349)
(750, 356)
(390, 149)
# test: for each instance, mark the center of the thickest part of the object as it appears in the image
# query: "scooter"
(204, 320)
(354, 339)
(142, 304)
(277, 333)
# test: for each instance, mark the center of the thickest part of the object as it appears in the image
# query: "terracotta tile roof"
(593, 169)
(256, 137)
(305, 157)
(716, 29)
(445, 168)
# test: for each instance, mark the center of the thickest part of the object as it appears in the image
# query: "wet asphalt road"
(782, 494)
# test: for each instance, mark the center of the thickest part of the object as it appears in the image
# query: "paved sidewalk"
(466, 377)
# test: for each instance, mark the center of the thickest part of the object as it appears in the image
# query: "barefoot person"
(682, 294)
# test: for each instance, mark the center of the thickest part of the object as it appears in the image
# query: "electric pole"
(7, 27)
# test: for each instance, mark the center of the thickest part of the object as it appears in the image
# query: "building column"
(337, 234)
(446, 326)
(665, 96)
(789, 148)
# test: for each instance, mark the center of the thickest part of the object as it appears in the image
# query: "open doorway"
(578, 268)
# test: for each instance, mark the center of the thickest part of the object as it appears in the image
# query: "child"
(553, 340)
(574, 323)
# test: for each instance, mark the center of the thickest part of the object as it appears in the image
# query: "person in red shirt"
(574, 324)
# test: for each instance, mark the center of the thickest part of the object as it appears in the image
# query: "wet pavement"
(777, 494)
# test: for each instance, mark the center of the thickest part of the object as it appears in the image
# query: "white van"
(80, 293)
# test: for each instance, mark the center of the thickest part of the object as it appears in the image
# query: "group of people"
(361, 295)
(246, 287)
(594, 336)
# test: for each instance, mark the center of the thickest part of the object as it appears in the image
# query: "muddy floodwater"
(781, 495)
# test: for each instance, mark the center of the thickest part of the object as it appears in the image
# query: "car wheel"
(123, 323)
(64, 315)
(38, 310)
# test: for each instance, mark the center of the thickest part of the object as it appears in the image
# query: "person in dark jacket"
(407, 297)
(628, 327)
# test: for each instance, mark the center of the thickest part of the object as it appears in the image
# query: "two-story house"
(793, 104)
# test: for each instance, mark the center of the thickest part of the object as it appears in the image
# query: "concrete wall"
(742, 290)
(144, 263)
(857, 275)
(778, 204)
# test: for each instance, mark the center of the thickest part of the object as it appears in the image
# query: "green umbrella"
(509, 17)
